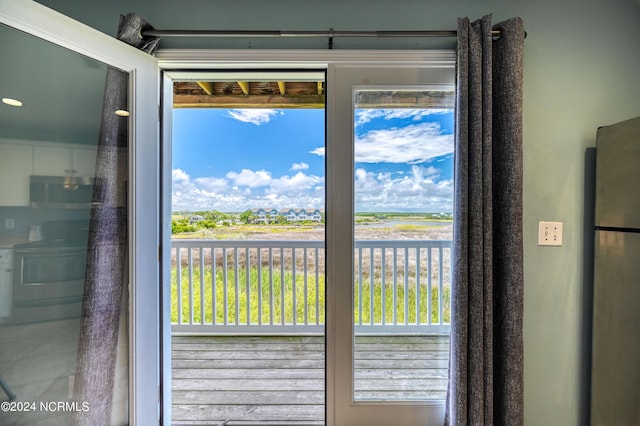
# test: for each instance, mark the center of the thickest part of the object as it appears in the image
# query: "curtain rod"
(330, 33)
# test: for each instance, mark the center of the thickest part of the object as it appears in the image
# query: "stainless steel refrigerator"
(615, 371)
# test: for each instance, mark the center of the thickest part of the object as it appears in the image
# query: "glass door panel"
(65, 334)
(403, 194)
(389, 232)
(46, 232)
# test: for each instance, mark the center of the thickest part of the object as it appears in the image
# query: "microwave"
(70, 192)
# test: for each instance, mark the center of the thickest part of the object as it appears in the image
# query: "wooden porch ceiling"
(294, 94)
(248, 94)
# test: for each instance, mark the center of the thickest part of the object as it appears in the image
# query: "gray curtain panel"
(106, 270)
(486, 355)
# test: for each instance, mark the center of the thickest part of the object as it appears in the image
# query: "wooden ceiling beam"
(244, 86)
(282, 86)
(206, 86)
(253, 101)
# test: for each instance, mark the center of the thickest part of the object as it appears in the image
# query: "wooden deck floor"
(280, 380)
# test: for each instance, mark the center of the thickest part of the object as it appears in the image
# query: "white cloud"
(254, 116)
(298, 182)
(200, 193)
(410, 144)
(299, 166)
(318, 151)
(250, 178)
(212, 184)
(238, 191)
(179, 175)
(418, 191)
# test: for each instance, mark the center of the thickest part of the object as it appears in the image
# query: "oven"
(49, 277)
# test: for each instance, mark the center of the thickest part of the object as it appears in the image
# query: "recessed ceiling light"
(122, 113)
(12, 102)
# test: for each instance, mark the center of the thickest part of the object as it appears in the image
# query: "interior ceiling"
(62, 91)
(64, 104)
(294, 94)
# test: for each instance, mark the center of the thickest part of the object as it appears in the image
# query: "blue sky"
(232, 160)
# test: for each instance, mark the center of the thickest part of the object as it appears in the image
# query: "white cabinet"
(63, 161)
(19, 161)
(6, 264)
(16, 165)
(84, 161)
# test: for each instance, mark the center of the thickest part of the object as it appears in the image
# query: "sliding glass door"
(389, 203)
(55, 169)
(387, 216)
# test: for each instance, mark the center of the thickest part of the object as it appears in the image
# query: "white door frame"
(339, 208)
(144, 243)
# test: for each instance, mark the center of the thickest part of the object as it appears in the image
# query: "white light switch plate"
(549, 233)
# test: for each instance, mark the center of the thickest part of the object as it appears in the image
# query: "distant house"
(315, 215)
(289, 214)
(299, 215)
(195, 218)
(264, 215)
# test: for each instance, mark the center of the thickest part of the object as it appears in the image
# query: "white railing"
(400, 286)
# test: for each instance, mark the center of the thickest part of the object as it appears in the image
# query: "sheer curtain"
(103, 331)
(486, 355)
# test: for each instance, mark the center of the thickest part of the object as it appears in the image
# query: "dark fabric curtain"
(486, 355)
(106, 270)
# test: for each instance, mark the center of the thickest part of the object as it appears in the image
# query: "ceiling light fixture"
(12, 102)
(122, 113)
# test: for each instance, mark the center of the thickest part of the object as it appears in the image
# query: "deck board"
(280, 380)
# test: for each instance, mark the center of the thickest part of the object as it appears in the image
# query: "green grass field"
(252, 296)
